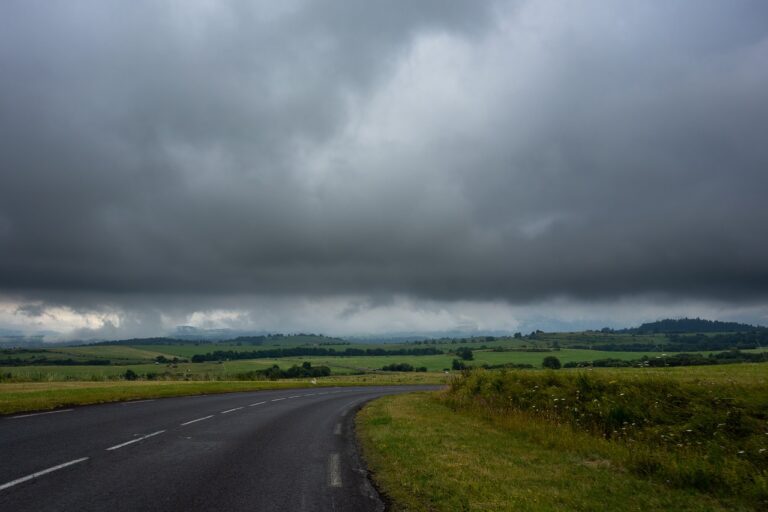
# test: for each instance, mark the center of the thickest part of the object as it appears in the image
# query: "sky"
(380, 167)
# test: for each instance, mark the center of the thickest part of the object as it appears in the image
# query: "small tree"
(130, 375)
(465, 353)
(458, 365)
(551, 362)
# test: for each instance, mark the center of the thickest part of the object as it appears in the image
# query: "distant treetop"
(692, 325)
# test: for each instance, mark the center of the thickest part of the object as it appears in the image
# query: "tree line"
(306, 370)
(728, 357)
(680, 325)
(689, 342)
(276, 353)
(42, 361)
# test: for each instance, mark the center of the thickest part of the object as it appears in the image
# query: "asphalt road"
(287, 450)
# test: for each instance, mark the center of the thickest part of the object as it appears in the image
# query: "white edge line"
(334, 470)
(198, 419)
(294, 396)
(257, 403)
(231, 410)
(277, 399)
(39, 414)
(134, 440)
(337, 429)
(139, 401)
(40, 473)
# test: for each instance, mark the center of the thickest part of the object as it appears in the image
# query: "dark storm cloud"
(437, 149)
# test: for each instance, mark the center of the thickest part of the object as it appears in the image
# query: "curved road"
(287, 450)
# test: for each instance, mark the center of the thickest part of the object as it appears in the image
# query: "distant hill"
(143, 341)
(692, 325)
(246, 340)
(21, 341)
(190, 333)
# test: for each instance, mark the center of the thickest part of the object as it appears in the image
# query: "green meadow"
(230, 369)
(39, 396)
(114, 360)
(609, 439)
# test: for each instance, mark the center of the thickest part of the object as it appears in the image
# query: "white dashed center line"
(40, 473)
(39, 414)
(198, 419)
(135, 440)
(334, 463)
(334, 470)
(139, 401)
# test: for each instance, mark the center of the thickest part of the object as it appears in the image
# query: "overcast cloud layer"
(497, 161)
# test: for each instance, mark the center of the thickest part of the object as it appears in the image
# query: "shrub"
(458, 365)
(395, 367)
(465, 353)
(551, 362)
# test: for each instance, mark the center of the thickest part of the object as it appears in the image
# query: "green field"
(139, 359)
(180, 371)
(194, 348)
(348, 364)
(117, 353)
(37, 396)
(686, 438)
(81, 362)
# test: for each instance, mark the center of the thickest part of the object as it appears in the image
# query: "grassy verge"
(428, 457)
(703, 435)
(40, 396)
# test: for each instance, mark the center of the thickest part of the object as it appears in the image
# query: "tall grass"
(708, 436)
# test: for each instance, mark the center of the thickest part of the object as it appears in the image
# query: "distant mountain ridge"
(247, 340)
(692, 325)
